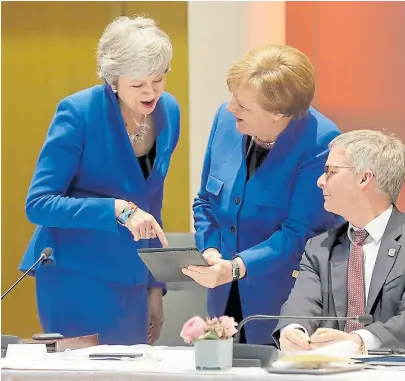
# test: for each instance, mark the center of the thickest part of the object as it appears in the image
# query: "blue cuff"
(153, 283)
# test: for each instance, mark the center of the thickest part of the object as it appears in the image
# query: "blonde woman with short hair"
(258, 202)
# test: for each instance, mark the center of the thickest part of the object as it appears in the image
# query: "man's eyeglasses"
(329, 170)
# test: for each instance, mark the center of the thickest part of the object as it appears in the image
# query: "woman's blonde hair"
(283, 75)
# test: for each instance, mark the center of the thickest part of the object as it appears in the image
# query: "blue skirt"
(76, 304)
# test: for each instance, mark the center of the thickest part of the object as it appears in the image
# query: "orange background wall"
(358, 50)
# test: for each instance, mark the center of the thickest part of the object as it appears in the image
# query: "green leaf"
(211, 336)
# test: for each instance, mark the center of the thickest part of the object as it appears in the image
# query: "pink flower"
(228, 324)
(193, 329)
(210, 329)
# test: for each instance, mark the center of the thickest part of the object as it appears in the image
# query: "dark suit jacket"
(321, 287)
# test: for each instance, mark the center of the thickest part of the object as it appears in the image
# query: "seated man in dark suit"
(359, 267)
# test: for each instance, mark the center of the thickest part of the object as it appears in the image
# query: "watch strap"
(235, 269)
(126, 213)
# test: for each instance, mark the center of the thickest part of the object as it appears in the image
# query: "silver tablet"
(166, 264)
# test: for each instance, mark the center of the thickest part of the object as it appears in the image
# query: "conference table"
(156, 364)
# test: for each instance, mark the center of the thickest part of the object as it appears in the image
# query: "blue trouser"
(75, 304)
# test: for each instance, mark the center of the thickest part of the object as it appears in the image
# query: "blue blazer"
(86, 162)
(266, 220)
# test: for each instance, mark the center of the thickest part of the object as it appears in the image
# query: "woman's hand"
(144, 226)
(211, 254)
(141, 224)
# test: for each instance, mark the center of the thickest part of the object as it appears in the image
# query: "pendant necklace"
(137, 137)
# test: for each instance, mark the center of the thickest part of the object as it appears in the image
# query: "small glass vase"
(213, 354)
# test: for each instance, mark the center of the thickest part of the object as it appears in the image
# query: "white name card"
(26, 351)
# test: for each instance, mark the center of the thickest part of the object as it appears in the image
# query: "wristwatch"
(235, 269)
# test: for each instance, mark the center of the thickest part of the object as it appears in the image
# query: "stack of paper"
(333, 355)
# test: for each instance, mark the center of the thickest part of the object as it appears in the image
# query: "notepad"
(333, 356)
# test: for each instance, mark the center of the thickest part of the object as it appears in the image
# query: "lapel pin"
(295, 274)
(391, 252)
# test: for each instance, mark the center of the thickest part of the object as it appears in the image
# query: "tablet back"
(165, 264)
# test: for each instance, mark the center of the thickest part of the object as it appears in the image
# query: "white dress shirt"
(371, 245)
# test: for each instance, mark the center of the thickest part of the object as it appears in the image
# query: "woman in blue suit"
(258, 202)
(96, 194)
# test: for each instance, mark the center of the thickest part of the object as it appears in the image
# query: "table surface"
(158, 363)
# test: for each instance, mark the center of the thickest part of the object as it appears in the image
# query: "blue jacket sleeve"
(57, 165)
(305, 219)
(153, 283)
(207, 231)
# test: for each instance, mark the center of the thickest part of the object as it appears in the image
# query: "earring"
(114, 88)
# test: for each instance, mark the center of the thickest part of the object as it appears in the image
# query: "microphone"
(46, 253)
(363, 319)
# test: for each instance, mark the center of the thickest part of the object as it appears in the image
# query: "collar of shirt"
(375, 228)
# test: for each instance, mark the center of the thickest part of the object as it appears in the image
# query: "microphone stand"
(364, 319)
(40, 259)
(9, 339)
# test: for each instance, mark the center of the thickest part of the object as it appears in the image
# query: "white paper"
(343, 349)
(26, 351)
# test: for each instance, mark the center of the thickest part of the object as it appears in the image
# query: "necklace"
(137, 137)
(262, 143)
